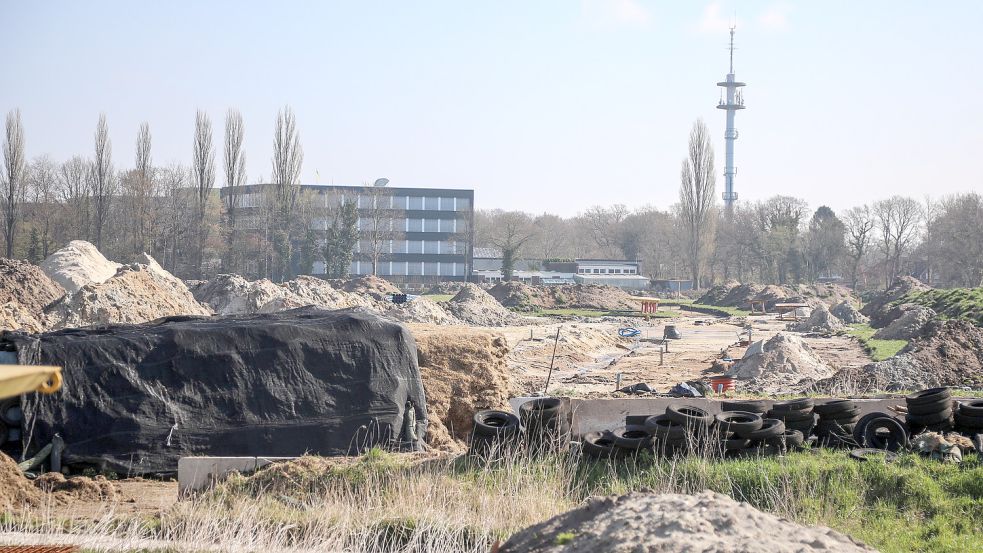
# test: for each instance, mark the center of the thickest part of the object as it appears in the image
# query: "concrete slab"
(196, 474)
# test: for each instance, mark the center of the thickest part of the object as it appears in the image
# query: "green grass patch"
(439, 298)
(693, 306)
(953, 303)
(878, 350)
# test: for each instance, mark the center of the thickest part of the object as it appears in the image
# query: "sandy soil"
(134, 496)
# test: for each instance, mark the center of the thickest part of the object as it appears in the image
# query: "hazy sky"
(537, 105)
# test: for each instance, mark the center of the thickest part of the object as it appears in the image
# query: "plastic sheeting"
(138, 397)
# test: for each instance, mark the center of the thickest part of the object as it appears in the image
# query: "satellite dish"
(380, 182)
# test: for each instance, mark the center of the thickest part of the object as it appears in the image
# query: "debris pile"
(234, 295)
(734, 294)
(448, 287)
(417, 310)
(880, 308)
(821, 320)
(578, 296)
(912, 321)
(77, 488)
(77, 264)
(14, 316)
(783, 363)
(474, 306)
(16, 491)
(27, 285)
(847, 312)
(319, 292)
(828, 294)
(463, 371)
(369, 285)
(646, 521)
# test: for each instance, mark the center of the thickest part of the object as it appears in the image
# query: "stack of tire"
(546, 424)
(750, 406)
(619, 443)
(969, 417)
(744, 432)
(837, 419)
(930, 409)
(797, 414)
(494, 433)
(881, 431)
(680, 429)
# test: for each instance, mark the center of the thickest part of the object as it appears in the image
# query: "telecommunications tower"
(733, 102)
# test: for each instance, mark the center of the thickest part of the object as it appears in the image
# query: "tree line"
(777, 240)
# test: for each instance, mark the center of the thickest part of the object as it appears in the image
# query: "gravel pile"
(847, 312)
(782, 364)
(77, 264)
(821, 320)
(234, 295)
(912, 321)
(474, 306)
(650, 522)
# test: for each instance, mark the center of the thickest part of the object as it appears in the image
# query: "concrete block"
(195, 474)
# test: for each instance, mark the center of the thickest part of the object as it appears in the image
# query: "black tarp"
(135, 398)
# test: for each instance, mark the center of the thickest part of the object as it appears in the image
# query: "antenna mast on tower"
(733, 102)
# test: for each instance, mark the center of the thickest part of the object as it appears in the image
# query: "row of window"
(403, 225)
(402, 268)
(432, 203)
(584, 271)
(414, 246)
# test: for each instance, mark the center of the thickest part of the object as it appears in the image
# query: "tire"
(495, 423)
(895, 440)
(972, 408)
(833, 407)
(598, 445)
(690, 416)
(865, 454)
(968, 421)
(931, 407)
(791, 416)
(759, 407)
(858, 429)
(739, 422)
(10, 411)
(790, 439)
(804, 404)
(850, 416)
(542, 408)
(770, 428)
(661, 426)
(934, 418)
(632, 437)
(930, 395)
(735, 444)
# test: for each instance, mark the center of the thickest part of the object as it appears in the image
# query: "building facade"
(405, 234)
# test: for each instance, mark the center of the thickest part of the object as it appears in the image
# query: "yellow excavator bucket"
(21, 379)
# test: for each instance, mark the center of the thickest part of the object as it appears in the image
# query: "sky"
(542, 106)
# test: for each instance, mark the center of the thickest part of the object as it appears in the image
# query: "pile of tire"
(681, 429)
(969, 417)
(619, 443)
(546, 424)
(746, 433)
(836, 422)
(797, 414)
(494, 433)
(881, 431)
(930, 409)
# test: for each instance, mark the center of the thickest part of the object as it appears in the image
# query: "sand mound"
(233, 295)
(417, 310)
(78, 264)
(27, 285)
(847, 312)
(319, 292)
(650, 522)
(821, 321)
(476, 307)
(463, 371)
(14, 316)
(369, 285)
(825, 293)
(578, 296)
(78, 488)
(16, 491)
(135, 294)
(908, 325)
(783, 363)
(879, 309)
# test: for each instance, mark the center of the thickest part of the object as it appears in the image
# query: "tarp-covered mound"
(136, 398)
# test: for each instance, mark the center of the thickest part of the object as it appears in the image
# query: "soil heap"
(27, 285)
(847, 312)
(14, 316)
(77, 264)
(77, 488)
(233, 295)
(910, 324)
(783, 363)
(826, 293)
(821, 321)
(650, 522)
(577, 296)
(370, 285)
(879, 309)
(136, 294)
(319, 292)
(16, 491)
(417, 310)
(718, 293)
(474, 306)
(463, 371)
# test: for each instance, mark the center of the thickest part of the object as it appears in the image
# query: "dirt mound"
(827, 293)
(474, 306)
(27, 285)
(77, 488)
(577, 296)
(947, 353)
(16, 491)
(464, 371)
(369, 285)
(230, 294)
(908, 325)
(651, 522)
(319, 292)
(136, 294)
(417, 310)
(879, 309)
(847, 312)
(14, 316)
(821, 321)
(783, 363)
(77, 264)
(447, 287)
(520, 296)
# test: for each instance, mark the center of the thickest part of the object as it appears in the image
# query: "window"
(597, 271)
(414, 225)
(415, 268)
(430, 268)
(414, 246)
(431, 225)
(463, 204)
(448, 225)
(431, 246)
(415, 202)
(399, 202)
(447, 204)
(430, 202)
(385, 268)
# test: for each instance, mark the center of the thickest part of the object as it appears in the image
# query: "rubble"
(370, 285)
(821, 321)
(14, 316)
(228, 294)
(653, 522)
(77, 264)
(784, 363)
(417, 310)
(910, 324)
(474, 306)
(847, 312)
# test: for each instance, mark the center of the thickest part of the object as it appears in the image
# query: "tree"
(897, 219)
(697, 206)
(825, 241)
(859, 226)
(342, 236)
(14, 186)
(75, 190)
(378, 227)
(235, 179)
(43, 182)
(288, 158)
(604, 225)
(103, 178)
(142, 192)
(511, 232)
(203, 174)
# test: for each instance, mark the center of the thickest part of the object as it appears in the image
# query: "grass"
(953, 303)
(687, 303)
(439, 298)
(396, 503)
(878, 350)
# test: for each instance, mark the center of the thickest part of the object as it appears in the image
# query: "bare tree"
(898, 218)
(235, 179)
(697, 207)
(288, 158)
(604, 225)
(76, 194)
(512, 229)
(14, 185)
(43, 183)
(859, 226)
(142, 191)
(378, 227)
(103, 178)
(203, 175)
